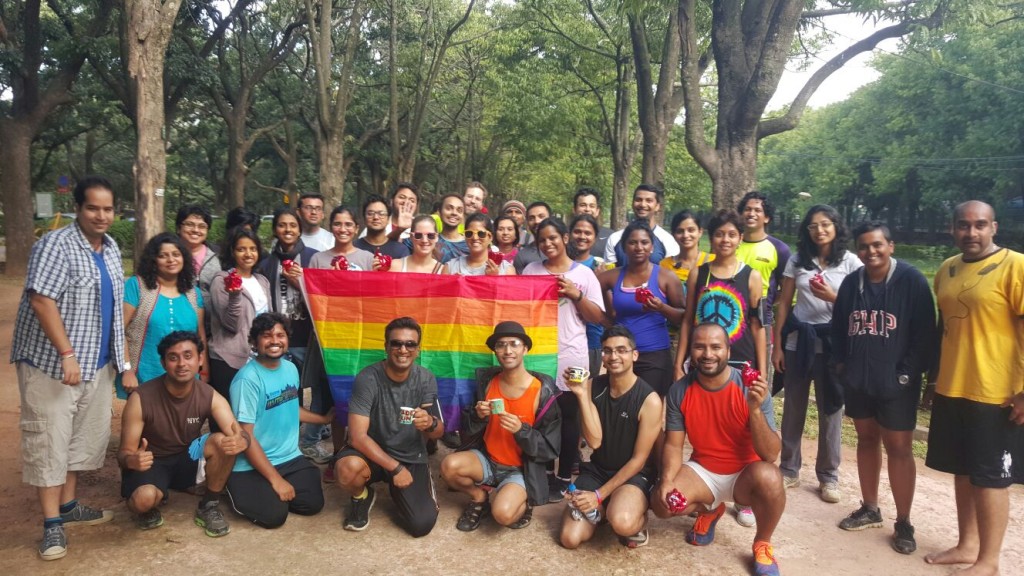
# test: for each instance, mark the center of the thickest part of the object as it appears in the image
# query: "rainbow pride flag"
(457, 314)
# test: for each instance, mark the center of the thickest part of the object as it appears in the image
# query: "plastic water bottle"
(594, 516)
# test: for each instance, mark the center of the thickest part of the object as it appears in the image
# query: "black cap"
(509, 328)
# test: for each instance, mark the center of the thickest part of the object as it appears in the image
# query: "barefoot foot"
(954, 555)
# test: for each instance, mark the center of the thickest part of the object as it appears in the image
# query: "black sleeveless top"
(726, 302)
(620, 422)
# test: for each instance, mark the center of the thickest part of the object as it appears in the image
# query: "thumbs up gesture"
(234, 441)
(142, 459)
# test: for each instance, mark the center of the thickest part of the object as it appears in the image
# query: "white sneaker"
(790, 481)
(317, 453)
(744, 515)
(829, 492)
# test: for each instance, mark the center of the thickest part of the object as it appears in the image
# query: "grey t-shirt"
(359, 260)
(380, 398)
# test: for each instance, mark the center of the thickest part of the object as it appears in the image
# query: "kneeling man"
(392, 413)
(620, 416)
(161, 442)
(272, 478)
(731, 427)
(510, 434)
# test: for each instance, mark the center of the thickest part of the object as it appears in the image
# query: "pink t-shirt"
(572, 328)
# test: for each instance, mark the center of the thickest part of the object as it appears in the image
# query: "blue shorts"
(498, 475)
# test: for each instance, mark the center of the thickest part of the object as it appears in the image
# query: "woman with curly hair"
(813, 275)
(233, 307)
(161, 298)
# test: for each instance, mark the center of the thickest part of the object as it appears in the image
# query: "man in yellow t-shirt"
(978, 412)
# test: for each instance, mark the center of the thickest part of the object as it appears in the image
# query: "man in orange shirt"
(510, 434)
(731, 426)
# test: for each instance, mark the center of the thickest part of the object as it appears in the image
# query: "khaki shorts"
(63, 428)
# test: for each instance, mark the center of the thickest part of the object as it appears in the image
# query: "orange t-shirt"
(500, 444)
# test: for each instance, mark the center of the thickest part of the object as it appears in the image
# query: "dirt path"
(807, 541)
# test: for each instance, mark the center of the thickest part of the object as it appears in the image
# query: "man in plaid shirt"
(69, 345)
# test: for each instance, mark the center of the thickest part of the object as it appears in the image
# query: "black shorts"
(592, 477)
(416, 503)
(655, 368)
(897, 413)
(177, 472)
(975, 439)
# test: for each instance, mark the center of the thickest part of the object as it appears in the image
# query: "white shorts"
(720, 485)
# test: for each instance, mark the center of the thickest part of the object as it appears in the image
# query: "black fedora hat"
(509, 328)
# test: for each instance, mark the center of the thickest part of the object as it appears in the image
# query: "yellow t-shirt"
(669, 263)
(982, 305)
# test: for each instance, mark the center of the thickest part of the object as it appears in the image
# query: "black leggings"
(252, 495)
(569, 454)
(221, 375)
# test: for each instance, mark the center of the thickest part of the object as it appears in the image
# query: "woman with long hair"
(801, 352)
(579, 302)
(161, 298)
(506, 237)
(649, 313)
(478, 262)
(345, 227)
(424, 237)
(238, 294)
(727, 292)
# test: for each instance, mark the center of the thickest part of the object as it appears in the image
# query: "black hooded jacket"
(878, 336)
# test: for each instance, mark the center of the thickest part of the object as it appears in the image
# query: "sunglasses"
(428, 235)
(481, 234)
(407, 344)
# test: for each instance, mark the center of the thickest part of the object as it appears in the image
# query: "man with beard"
(731, 427)
(474, 198)
(393, 412)
(377, 214)
(272, 478)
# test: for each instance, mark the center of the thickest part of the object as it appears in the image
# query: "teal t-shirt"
(168, 315)
(268, 399)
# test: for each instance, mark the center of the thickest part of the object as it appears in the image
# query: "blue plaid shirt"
(62, 268)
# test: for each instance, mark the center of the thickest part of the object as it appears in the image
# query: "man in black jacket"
(883, 328)
(510, 433)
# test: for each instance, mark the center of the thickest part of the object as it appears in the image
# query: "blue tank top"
(649, 328)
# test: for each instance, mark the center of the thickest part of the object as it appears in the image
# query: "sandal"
(473, 515)
(524, 520)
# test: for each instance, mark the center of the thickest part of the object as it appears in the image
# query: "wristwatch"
(127, 366)
(903, 379)
(432, 426)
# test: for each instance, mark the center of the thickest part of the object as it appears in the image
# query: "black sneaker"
(903, 539)
(149, 519)
(862, 518)
(359, 512)
(557, 488)
(211, 520)
(86, 516)
(54, 544)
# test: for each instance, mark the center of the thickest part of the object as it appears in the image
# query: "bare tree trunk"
(15, 153)
(149, 30)
(657, 111)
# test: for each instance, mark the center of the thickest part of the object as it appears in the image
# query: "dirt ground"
(807, 541)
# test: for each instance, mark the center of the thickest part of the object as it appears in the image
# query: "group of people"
(660, 344)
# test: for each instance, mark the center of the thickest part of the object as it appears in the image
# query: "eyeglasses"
(822, 226)
(201, 226)
(309, 208)
(620, 351)
(481, 234)
(428, 235)
(407, 344)
(508, 345)
(376, 213)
